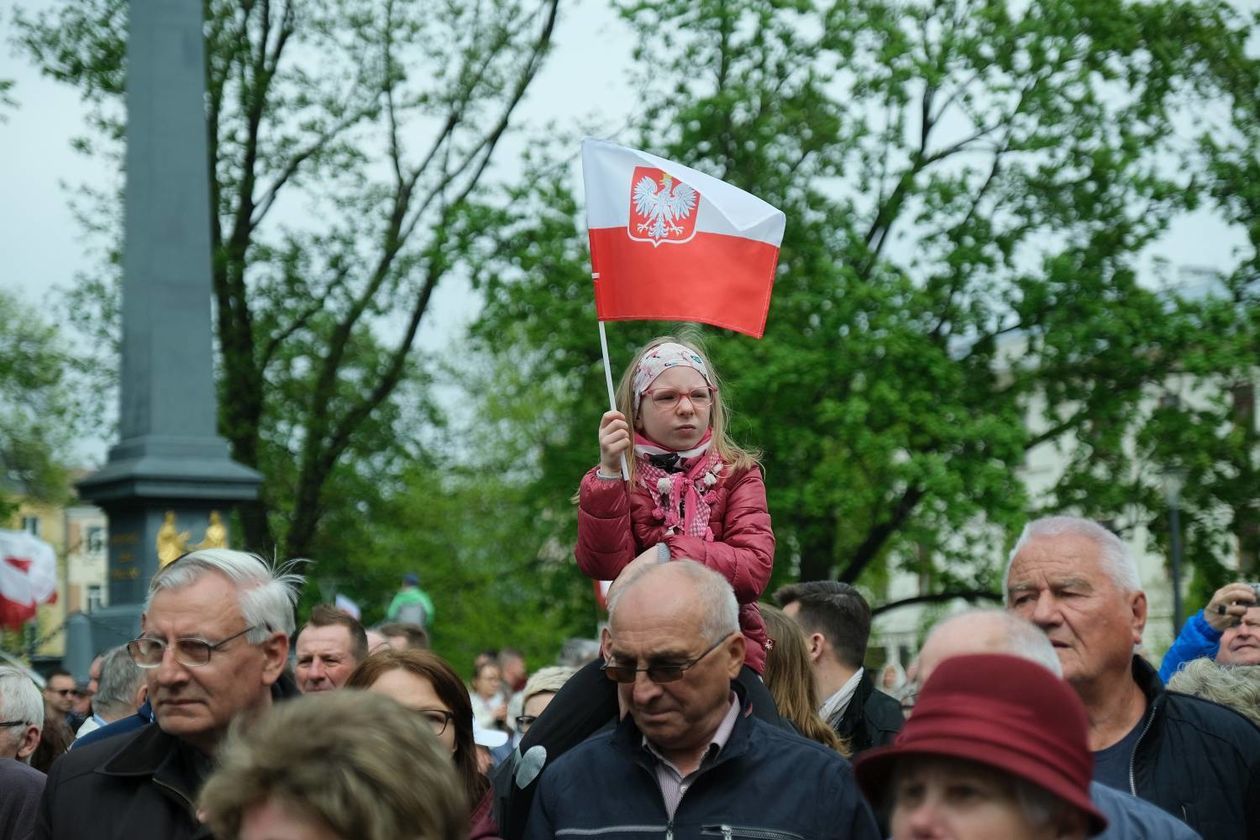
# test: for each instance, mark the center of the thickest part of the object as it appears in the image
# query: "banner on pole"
(28, 576)
(669, 243)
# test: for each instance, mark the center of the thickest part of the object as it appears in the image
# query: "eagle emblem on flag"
(661, 208)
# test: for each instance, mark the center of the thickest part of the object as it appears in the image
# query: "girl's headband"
(660, 359)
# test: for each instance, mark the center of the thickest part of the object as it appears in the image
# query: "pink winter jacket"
(742, 550)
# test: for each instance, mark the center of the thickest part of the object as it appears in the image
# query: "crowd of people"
(708, 707)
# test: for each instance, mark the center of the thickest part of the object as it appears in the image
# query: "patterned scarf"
(680, 482)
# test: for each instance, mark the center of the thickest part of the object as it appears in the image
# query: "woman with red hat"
(996, 748)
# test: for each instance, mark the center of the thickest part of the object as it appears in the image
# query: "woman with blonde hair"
(791, 681)
(335, 766)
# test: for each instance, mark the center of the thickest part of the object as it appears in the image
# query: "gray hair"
(578, 652)
(120, 679)
(1019, 637)
(20, 699)
(1236, 686)
(1113, 554)
(719, 611)
(267, 594)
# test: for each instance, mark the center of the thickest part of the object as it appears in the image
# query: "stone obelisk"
(170, 458)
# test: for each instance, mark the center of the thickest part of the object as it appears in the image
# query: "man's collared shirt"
(673, 783)
(833, 708)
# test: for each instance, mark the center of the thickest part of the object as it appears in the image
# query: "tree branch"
(938, 598)
(879, 534)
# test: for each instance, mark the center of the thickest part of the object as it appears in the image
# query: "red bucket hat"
(1000, 711)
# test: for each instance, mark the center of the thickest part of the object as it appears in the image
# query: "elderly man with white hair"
(21, 721)
(1198, 761)
(214, 642)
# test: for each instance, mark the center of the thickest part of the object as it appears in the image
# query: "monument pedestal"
(163, 498)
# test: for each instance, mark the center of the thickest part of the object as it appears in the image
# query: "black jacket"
(872, 718)
(1197, 760)
(133, 786)
(766, 783)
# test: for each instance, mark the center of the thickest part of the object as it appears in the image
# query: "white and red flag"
(669, 243)
(28, 576)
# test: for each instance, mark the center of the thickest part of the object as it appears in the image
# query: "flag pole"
(612, 395)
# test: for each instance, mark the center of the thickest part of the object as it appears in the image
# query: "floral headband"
(660, 359)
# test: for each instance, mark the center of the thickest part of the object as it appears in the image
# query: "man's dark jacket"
(1197, 760)
(130, 787)
(872, 718)
(766, 783)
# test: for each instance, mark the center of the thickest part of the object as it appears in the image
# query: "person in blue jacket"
(1201, 635)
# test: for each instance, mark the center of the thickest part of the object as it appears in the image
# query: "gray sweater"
(20, 788)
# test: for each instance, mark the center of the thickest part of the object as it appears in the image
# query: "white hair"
(713, 595)
(1018, 637)
(1113, 554)
(20, 700)
(267, 594)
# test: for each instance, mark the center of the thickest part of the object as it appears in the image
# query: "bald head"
(682, 588)
(986, 631)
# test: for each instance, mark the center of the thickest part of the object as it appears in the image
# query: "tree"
(38, 412)
(969, 188)
(494, 579)
(344, 137)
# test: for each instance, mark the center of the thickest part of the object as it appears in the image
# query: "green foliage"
(494, 578)
(969, 188)
(38, 412)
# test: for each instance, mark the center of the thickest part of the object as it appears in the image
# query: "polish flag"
(669, 243)
(28, 576)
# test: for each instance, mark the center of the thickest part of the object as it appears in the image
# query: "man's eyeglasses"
(661, 673)
(668, 398)
(5, 724)
(438, 719)
(191, 653)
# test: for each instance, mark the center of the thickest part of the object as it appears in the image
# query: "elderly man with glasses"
(688, 760)
(214, 641)
(21, 722)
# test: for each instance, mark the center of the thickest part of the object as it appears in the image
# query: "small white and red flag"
(28, 577)
(669, 243)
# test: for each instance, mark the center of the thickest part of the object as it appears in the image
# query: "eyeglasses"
(657, 673)
(192, 653)
(524, 722)
(65, 692)
(5, 724)
(438, 719)
(667, 399)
